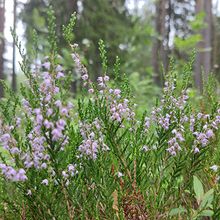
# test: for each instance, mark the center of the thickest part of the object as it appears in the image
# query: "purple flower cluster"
(200, 125)
(146, 123)
(174, 142)
(7, 141)
(205, 129)
(202, 138)
(48, 125)
(102, 81)
(71, 171)
(164, 121)
(120, 111)
(118, 107)
(216, 121)
(11, 174)
(81, 69)
(93, 139)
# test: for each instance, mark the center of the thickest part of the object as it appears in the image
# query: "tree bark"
(2, 44)
(204, 47)
(160, 45)
(14, 81)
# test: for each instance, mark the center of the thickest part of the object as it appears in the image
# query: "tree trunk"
(204, 47)
(14, 81)
(160, 45)
(2, 44)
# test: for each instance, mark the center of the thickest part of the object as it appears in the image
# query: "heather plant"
(96, 158)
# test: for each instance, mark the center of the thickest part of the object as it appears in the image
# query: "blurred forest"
(145, 34)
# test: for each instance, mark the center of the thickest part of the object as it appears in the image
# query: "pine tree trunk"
(2, 44)
(14, 81)
(160, 45)
(204, 47)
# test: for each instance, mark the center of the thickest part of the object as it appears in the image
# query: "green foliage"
(68, 30)
(128, 163)
(52, 36)
(103, 56)
(198, 22)
(187, 43)
(198, 188)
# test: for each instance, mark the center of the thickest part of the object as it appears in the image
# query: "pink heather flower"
(46, 157)
(57, 134)
(18, 121)
(99, 79)
(184, 119)
(209, 133)
(77, 61)
(2, 166)
(30, 136)
(214, 168)
(70, 105)
(47, 82)
(64, 111)
(37, 111)
(5, 137)
(64, 174)
(206, 116)
(56, 90)
(21, 175)
(45, 182)
(59, 68)
(43, 165)
(202, 138)
(91, 91)
(89, 148)
(145, 148)
(59, 75)
(11, 127)
(192, 122)
(58, 103)
(85, 77)
(165, 121)
(199, 115)
(47, 124)
(179, 136)
(48, 98)
(147, 123)
(111, 91)
(46, 65)
(39, 119)
(117, 92)
(49, 111)
(46, 75)
(173, 153)
(65, 142)
(106, 78)
(102, 85)
(196, 150)
(126, 101)
(37, 129)
(14, 150)
(61, 124)
(71, 167)
(25, 103)
(29, 193)
(119, 174)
